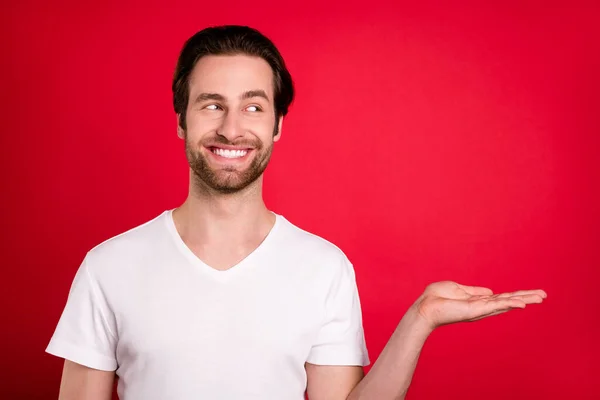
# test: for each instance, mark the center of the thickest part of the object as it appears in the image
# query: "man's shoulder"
(131, 243)
(310, 244)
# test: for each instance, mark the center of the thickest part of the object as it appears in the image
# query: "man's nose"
(231, 126)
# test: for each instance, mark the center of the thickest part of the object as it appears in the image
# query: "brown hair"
(230, 40)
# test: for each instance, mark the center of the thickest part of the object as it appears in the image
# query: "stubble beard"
(227, 180)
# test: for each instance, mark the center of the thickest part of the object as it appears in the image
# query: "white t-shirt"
(143, 305)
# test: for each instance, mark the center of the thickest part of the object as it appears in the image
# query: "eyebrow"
(254, 93)
(245, 96)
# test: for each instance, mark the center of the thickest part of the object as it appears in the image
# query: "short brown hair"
(230, 40)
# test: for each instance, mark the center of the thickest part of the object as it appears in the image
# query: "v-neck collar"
(245, 263)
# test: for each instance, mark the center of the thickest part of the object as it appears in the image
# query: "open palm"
(448, 302)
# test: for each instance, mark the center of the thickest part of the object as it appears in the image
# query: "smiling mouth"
(226, 153)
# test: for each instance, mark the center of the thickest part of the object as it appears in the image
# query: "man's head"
(231, 90)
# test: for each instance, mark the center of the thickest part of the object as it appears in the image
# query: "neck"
(208, 217)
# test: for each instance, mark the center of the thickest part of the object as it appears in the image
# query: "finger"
(529, 299)
(538, 292)
(508, 303)
(489, 306)
(477, 290)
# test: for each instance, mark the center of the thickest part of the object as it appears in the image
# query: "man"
(222, 298)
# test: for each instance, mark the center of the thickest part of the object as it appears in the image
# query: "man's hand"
(448, 302)
(440, 304)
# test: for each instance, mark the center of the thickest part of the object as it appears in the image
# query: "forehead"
(231, 75)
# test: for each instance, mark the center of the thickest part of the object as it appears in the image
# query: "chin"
(226, 183)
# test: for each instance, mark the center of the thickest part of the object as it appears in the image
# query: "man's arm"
(332, 382)
(392, 373)
(82, 383)
(442, 303)
(390, 376)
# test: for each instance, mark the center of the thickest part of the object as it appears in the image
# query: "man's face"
(230, 121)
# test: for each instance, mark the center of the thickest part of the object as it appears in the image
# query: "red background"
(429, 143)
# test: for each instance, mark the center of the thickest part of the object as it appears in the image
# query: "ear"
(180, 131)
(278, 134)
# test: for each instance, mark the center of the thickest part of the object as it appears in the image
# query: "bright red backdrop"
(429, 143)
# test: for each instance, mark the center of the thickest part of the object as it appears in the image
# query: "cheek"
(261, 127)
(199, 125)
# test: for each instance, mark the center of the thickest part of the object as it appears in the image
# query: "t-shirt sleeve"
(341, 340)
(85, 333)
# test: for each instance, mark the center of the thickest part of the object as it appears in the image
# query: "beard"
(227, 180)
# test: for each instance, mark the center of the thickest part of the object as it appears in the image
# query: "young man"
(222, 298)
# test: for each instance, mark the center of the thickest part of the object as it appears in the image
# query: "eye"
(253, 108)
(212, 107)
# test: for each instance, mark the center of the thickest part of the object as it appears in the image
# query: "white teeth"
(230, 153)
